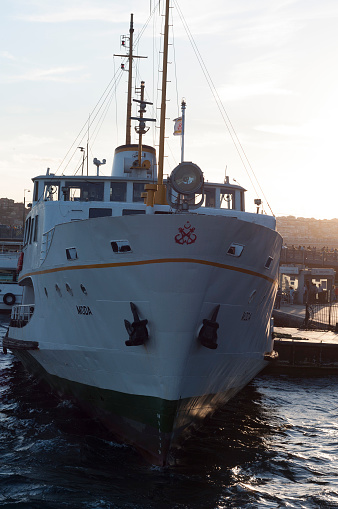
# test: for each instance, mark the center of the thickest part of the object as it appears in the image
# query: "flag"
(178, 126)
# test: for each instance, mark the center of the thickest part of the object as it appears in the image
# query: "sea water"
(273, 446)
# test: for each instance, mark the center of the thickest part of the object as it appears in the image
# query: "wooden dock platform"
(311, 352)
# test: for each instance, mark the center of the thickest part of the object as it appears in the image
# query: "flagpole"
(183, 107)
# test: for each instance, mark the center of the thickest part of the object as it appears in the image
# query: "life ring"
(9, 299)
(20, 263)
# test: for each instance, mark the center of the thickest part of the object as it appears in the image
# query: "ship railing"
(21, 315)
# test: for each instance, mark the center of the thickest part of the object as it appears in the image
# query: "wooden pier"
(309, 352)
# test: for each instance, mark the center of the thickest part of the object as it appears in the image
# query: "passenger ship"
(146, 299)
(10, 291)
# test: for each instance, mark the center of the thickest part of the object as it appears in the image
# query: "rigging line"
(98, 102)
(137, 39)
(100, 122)
(212, 87)
(116, 118)
(93, 120)
(84, 128)
(109, 100)
(221, 106)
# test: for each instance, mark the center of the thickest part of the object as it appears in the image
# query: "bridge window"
(210, 198)
(83, 191)
(118, 191)
(138, 189)
(51, 191)
(227, 200)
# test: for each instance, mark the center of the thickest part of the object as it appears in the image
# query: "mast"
(130, 78)
(141, 128)
(160, 195)
(130, 75)
(183, 108)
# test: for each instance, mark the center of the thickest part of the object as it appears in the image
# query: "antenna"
(130, 74)
(98, 164)
(141, 128)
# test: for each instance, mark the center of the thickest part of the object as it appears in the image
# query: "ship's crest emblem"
(186, 234)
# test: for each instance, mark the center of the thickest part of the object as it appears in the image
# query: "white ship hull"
(149, 394)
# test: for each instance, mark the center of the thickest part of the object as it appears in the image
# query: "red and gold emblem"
(186, 234)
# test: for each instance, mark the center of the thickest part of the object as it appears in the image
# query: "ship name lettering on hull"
(83, 310)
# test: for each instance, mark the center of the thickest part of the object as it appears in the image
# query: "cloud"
(240, 92)
(285, 130)
(27, 140)
(7, 55)
(59, 74)
(62, 12)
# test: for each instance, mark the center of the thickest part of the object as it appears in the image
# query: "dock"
(309, 352)
(289, 315)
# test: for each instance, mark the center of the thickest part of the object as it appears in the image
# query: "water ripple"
(275, 446)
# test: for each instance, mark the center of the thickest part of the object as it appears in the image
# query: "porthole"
(71, 253)
(252, 296)
(83, 288)
(120, 246)
(268, 262)
(235, 249)
(69, 290)
(58, 291)
(46, 292)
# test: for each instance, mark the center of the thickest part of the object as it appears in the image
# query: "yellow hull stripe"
(149, 262)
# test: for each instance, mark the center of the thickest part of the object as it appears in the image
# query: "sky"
(273, 69)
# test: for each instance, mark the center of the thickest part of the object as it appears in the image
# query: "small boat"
(10, 291)
(147, 299)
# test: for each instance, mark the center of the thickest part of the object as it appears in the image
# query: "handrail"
(21, 315)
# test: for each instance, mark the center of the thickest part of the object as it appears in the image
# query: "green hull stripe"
(155, 412)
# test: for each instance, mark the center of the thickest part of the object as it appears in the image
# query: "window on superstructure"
(27, 230)
(83, 191)
(100, 212)
(210, 198)
(130, 212)
(227, 200)
(138, 189)
(8, 276)
(51, 191)
(35, 233)
(118, 191)
(36, 191)
(31, 230)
